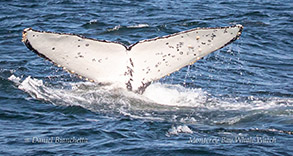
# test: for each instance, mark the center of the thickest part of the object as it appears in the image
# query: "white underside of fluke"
(133, 67)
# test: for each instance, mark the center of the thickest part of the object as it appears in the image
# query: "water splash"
(175, 130)
(175, 95)
(160, 102)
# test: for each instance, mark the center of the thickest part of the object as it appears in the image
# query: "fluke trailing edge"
(133, 67)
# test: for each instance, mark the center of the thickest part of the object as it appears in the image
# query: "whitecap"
(138, 26)
(176, 130)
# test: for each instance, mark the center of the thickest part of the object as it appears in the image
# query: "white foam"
(125, 113)
(38, 90)
(14, 79)
(157, 99)
(93, 21)
(138, 26)
(92, 120)
(175, 95)
(117, 27)
(176, 130)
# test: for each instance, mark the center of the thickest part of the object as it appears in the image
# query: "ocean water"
(236, 101)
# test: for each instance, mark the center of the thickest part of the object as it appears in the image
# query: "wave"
(118, 27)
(164, 102)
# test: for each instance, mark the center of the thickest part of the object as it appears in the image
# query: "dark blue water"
(236, 101)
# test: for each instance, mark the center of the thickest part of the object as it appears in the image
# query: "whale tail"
(133, 67)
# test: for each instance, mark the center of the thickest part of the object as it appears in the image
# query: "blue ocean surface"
(236, 101)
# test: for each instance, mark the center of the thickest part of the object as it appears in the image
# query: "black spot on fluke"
(130, 60)
(213, 36)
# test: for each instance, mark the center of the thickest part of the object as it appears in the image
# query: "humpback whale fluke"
(133, 67)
